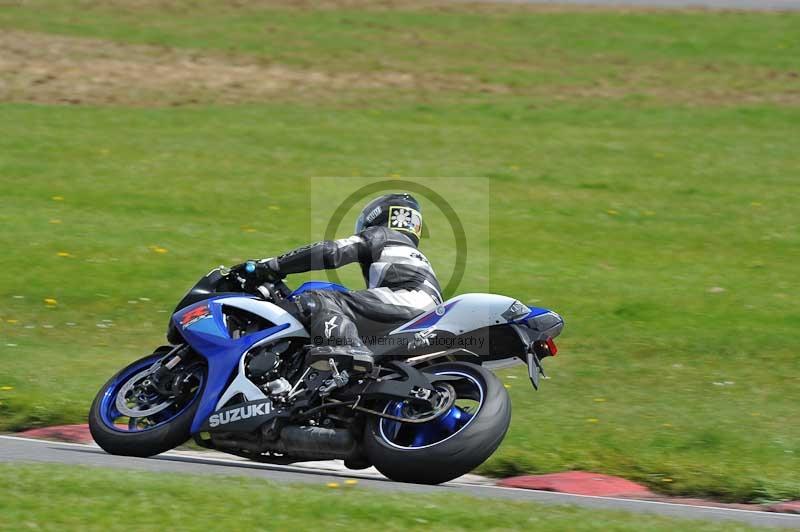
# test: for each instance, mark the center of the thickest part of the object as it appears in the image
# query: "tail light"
(551, 345)
(545, 348)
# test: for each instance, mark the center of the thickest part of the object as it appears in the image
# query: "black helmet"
(400, 212)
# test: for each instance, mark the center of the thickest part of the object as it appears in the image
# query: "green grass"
(57, 497)
(625, 211)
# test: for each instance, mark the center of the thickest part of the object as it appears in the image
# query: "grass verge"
(58, 497)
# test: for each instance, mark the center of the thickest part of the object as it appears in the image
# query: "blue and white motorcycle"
(238, 378)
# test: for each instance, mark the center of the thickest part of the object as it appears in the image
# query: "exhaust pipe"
(328, 444)
(314, 443)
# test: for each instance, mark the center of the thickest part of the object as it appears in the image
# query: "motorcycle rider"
(400, 281)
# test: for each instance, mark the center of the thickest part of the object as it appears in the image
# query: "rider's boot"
(344, 358)
(334, 336)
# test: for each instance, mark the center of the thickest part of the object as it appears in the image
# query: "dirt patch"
(44, 68)
(55, 69)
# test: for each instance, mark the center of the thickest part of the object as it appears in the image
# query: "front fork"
(163, 379)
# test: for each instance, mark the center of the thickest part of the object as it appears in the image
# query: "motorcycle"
(237, 377)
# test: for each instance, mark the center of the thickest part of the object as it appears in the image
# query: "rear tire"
(146, 442)
(459, 453)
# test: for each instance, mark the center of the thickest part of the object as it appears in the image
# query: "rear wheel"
(132, 416)
(451, 445)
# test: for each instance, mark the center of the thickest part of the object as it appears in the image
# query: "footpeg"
(339, 379)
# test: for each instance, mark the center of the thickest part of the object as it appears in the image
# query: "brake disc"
(447, 398)
(131, 406)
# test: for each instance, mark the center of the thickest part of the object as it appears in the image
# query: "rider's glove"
(257, 271)
(269, 269)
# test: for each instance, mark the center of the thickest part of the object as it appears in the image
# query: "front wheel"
(134, 416)
(451, 445)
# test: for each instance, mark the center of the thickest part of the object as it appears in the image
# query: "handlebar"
(275, 287)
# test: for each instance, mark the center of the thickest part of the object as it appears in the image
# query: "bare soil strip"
(45, 68)
(54, 69)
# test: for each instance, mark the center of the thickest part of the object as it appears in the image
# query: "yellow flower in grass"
(57, 198)
(50, 302)
(6, 388)
(64, 254)
(158, 249)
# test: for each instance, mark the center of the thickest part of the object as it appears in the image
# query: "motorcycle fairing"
(427, 320)
(510, 326)
(462, 314)
(206, 332)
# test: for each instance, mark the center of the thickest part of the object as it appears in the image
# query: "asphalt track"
(769, 5)
(14, 449)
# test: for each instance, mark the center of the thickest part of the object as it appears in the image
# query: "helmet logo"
(405, 219)
(373, 214)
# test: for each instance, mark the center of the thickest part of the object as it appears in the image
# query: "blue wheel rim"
(108, 409)
(444, 427)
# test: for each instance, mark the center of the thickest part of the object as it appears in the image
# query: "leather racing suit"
(400, 286)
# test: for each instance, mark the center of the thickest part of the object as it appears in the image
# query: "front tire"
(431, 455)
(114, 438)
